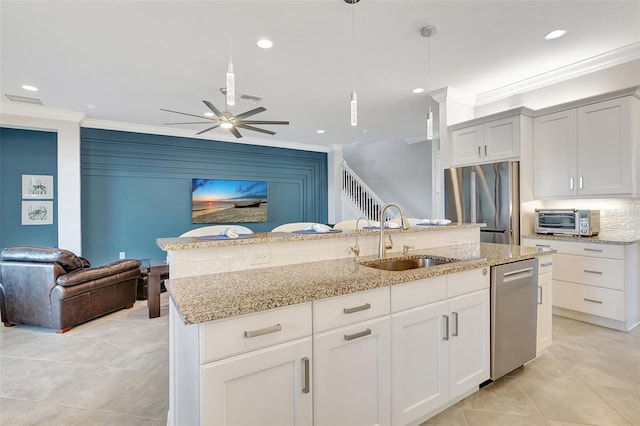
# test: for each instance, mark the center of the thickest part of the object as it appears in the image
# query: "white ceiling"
(132, 58)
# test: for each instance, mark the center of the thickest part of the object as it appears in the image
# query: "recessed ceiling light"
(265, 44)
(417, 90)
(208, 114)
(320, 131)
(555, 34)
(29, 88)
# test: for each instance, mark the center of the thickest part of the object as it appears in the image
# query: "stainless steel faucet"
(356, 249)
(404, 223)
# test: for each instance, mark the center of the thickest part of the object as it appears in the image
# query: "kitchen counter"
(217, 296)
(187, 243)
(610, 238)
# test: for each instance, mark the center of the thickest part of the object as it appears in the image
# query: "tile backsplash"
(618, 216)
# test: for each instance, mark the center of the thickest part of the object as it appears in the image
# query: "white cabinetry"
(248, 370)
(440, 342)
(595, 282)
(487, 140)
(352, 369)
(545, 299)
(587, 151)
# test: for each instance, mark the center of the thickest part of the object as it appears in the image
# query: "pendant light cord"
(429, 71)
(353, 48)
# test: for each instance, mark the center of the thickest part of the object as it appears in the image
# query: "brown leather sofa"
(54, 288)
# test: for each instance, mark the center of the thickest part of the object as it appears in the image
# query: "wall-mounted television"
(228, 201)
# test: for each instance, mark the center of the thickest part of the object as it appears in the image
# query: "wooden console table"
(157, 270)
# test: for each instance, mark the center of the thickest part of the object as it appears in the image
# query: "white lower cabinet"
(266, 387)
(545, 318)
(352, 375)
(440, 350)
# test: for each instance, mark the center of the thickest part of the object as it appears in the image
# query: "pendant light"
(427, 32)
(230, 95)
(353, 106)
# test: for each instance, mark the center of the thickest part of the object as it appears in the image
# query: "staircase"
(361, 196)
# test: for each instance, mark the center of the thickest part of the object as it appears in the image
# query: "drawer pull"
(595, 250)
(599, 302)
(348, 337)
(446, 327)
(592, 272)
(455, 322)
(539, 295)
(305, 374)
(262, 331)
(357, 308)
(546, 265)
(543, 245)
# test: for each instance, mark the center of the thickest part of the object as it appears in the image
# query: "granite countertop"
(609, 238)
(187, 243)
(217, 296)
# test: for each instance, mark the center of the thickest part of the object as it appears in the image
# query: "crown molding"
(596, 63)
(166, 131)
(39, 112)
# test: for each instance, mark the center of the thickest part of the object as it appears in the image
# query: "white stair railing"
(360, 194)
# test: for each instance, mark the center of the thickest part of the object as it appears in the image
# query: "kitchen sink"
(406, 264)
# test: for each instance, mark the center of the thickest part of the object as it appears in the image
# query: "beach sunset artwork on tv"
(228, 201)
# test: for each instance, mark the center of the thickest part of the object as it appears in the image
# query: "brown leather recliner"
(54, 288)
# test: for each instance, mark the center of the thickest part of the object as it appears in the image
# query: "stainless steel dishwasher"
(514, 315)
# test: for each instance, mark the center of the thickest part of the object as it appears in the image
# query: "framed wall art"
(228, 201)
(37, 187)
(37, 212)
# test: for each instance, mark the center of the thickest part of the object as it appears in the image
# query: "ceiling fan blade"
(235, 132)
(215, 110)
(191, 122)
(190, 115)
(250, 113)
(255, 129)
(206, 130)
(263, 122)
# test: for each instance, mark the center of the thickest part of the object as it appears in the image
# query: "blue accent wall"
(137, 187)
(25, 152)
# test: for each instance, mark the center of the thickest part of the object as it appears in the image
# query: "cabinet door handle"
(357, 308)
(348, 337)
(485, 150)
(479, 152)
(581, 182)
(543, 245)
(262, 331)
(539, 295)
(599, 302)
(592, 272)
(571, 186)
(446, 327)
(595, 250)
(305, 374)
(546, 265)
(455, 324)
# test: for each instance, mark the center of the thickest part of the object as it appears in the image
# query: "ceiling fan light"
(231, 85)
(226, 125)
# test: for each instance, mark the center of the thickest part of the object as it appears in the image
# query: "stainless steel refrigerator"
(487, 193)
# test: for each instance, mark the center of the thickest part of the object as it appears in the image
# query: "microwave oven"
(585, 223)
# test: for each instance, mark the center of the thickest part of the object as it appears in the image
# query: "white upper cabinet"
(488, 141)
(587, 151)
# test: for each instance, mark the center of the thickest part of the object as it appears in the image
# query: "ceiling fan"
(228, 121)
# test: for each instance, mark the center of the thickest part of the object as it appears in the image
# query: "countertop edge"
(598, 239)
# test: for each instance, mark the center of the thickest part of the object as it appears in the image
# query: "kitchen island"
(310, 342)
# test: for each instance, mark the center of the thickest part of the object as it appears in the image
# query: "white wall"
(396, 172)
(607, 80)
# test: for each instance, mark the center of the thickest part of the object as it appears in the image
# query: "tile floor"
(114, 371)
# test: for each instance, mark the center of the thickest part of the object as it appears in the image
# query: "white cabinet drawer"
(417, 293)
(468, 281)
(610, 251)
(545, 264)
(607, 273)
(349, 309)
(224, 338)
(598, 301)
